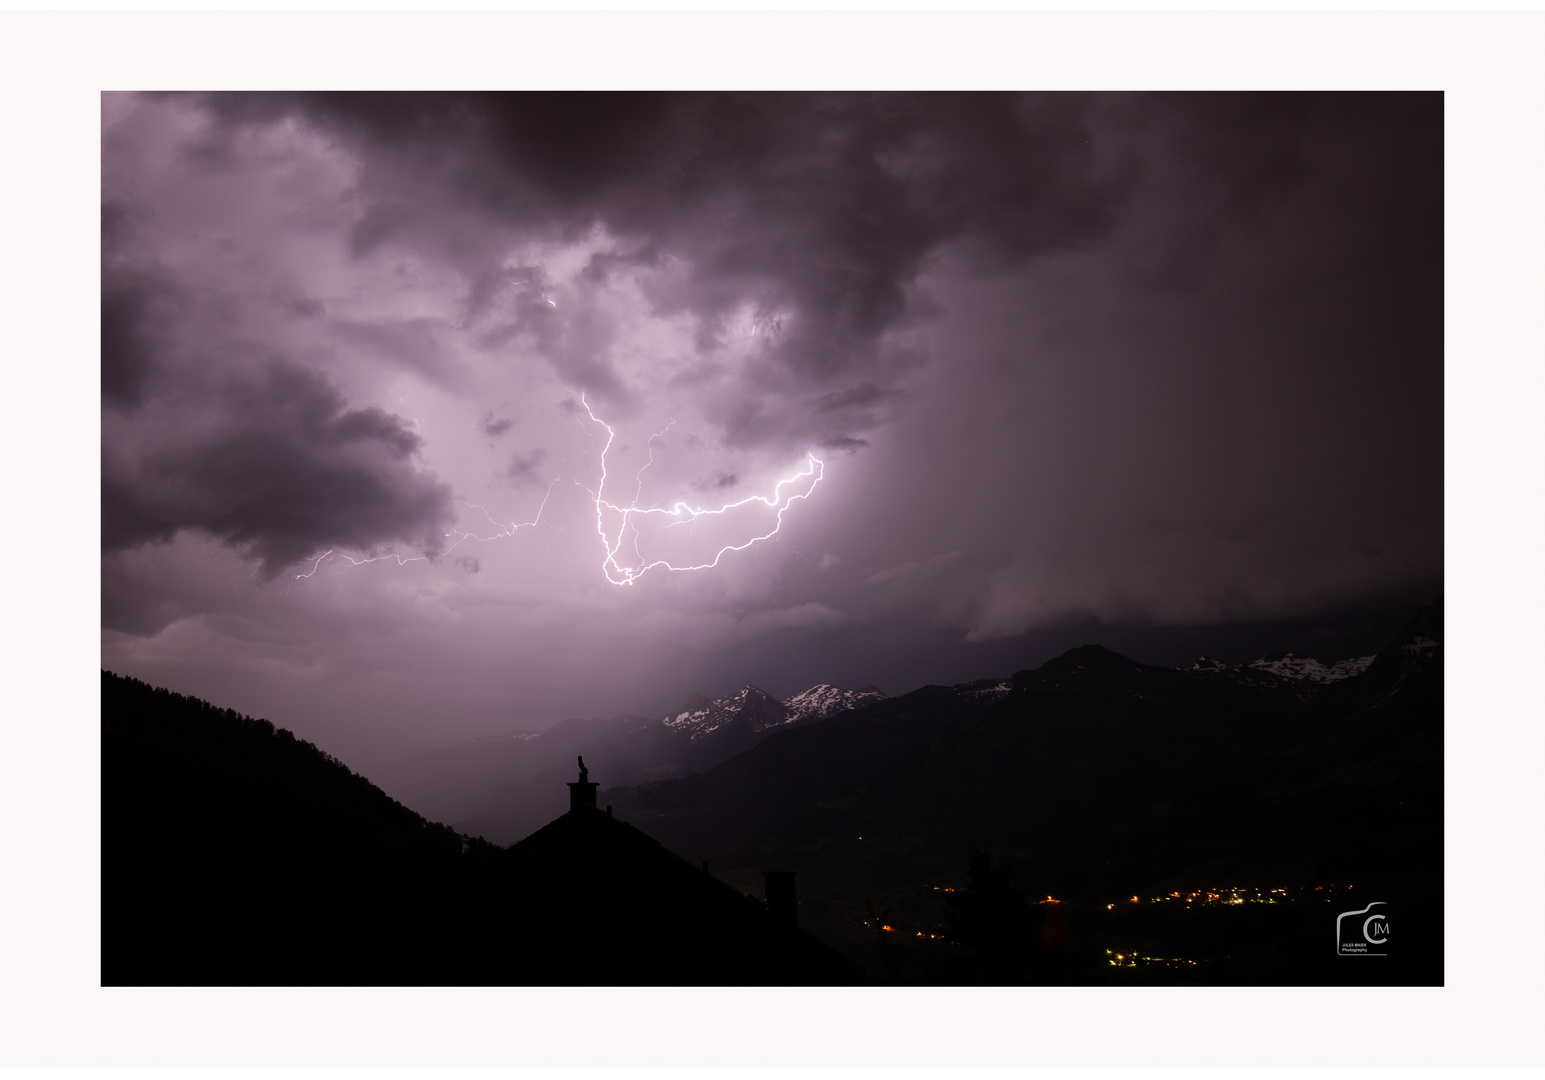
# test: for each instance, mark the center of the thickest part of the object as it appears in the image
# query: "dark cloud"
(602, 263)
(815, 212)
(414, 343)
(138, 300)
(720, 482)
(853, 397)
(521, 469)
(278, 466)
(295, 303)
(131, 305)
(494, 428)
(1077, 361)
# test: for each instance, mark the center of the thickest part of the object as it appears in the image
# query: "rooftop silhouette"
(630, 912)
(235, 854)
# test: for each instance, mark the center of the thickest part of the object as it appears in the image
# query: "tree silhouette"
(991, 917)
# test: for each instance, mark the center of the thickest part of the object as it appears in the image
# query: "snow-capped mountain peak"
(755, 710)
(827, 700)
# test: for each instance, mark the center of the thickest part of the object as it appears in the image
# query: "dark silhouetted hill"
(931, 833)
(235, 854)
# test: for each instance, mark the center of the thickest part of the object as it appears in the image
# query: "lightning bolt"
(685, 514)
(504, 532)
(618, 571)
(330, 552)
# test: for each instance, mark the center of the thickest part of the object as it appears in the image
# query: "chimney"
(782, 907)
(583, 792)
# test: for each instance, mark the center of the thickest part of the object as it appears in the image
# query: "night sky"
(1160, 371)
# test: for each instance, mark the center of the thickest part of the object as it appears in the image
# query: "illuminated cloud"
(1166, 360)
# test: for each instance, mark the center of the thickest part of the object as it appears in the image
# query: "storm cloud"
(806, 217)
(1070, 361)
(208, 427)
(278, 466)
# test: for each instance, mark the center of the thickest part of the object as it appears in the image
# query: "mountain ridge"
(1099, 777)
(506, 785)
(1093, 777)
(1288, 665)
(503, 786)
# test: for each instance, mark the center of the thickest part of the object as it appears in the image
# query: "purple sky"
(1125, 368)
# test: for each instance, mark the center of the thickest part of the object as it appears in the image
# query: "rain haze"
(430, 417)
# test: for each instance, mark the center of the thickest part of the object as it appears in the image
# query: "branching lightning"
(624, 519)
(504, 531)
(685, 514)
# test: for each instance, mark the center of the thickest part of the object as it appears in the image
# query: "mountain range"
(506, 786)
(1097, 779)
(1104, 785)
(1304, 669)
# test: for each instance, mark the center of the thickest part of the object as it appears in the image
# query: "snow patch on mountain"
(988, 688)
(748, 707)
(825, 700)
(757, 710)
(1290, 666)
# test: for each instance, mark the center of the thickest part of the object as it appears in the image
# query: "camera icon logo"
(1364, 932)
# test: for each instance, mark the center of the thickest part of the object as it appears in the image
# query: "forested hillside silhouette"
(1092, 820)
(235, 854)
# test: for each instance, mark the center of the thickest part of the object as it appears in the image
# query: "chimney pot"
(583, 792)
